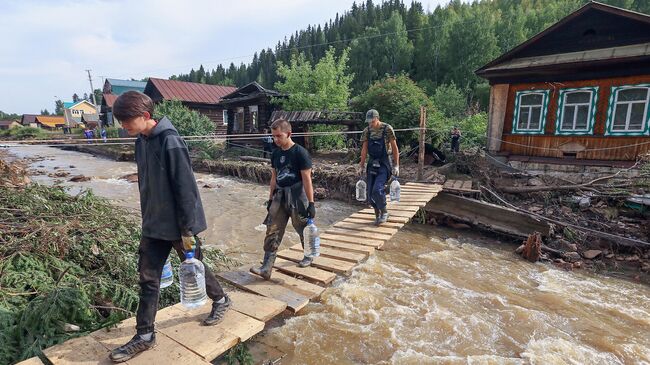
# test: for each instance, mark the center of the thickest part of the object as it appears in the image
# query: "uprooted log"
(533, 247)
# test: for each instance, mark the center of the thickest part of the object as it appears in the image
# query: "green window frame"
(628, 107)
(526, 108)
(571, 109)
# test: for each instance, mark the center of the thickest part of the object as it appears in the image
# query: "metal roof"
(108, 99)
(188, 91)
(51, 120)
(128, 83)
(636, 50)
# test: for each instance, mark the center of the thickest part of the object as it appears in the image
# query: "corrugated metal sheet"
(189, 91)
(51, 121)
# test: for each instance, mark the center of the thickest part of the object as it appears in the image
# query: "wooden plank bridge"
(182, 339)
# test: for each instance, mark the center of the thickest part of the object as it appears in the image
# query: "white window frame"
(613, 105)
(542, 114)
(254, 123)
(225, 116)
(591, 112)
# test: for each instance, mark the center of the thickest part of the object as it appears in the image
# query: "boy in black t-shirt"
(291, 195)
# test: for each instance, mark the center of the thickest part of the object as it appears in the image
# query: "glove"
(189, 243)
(396, 170)
(311, 210)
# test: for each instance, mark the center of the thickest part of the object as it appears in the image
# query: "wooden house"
(28, 120)
(73, 112)
(50, 121)
(576, 93)
(247, 110)
(202, 98)
(118, 87)
(9, 124)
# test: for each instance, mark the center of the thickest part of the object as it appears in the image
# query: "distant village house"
(112, 89)
(576, 93)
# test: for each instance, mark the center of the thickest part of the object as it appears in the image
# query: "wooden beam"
(371, 216)
(325, 263)
(310, 273)
(356, 240)
(395, 213)
(354, 257)
(351, 247)
(253, 283)
(370, 221)
(360, 234)
(256, 306)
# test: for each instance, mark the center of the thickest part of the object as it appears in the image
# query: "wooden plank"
(253, 305)
(310, 290)
(31, 361)
(354, 257)
(256, 306)
(424, 185)
(366, 227)
(371, 216)
(355, 240)
(360, 234)
(207, 341)
(391, 212)
(371, 222)
(325, 263)
(405, 206)
(467, 185)
(80, 351)
(351, 247)
(247, 281)
(310, 273)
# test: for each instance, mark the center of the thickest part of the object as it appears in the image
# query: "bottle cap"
(310, 221)
(189, 255)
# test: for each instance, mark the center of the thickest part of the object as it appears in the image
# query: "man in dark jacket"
(172, 214)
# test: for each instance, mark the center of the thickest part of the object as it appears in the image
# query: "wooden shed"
(202, 98)
(576, 93)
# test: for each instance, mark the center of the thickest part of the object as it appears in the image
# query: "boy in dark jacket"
(172, 214)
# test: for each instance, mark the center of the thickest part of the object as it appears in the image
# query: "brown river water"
(432, 296)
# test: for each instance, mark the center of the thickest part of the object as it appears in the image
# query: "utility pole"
(92, 90)
(423, 121)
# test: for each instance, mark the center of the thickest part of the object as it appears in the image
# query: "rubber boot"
(265, 270)
(383, 217)
(377, 215)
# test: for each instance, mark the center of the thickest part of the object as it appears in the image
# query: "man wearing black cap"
(378, 143)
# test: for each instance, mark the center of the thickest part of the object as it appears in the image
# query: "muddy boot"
(265, 270)
(383, 217)
(306, 261)
(377, 215)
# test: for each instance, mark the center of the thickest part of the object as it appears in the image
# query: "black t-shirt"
(289, 163)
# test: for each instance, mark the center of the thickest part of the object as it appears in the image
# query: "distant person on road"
(172, 214)
(103, 134)
(88, 135)
(455, 140)
(378, 142)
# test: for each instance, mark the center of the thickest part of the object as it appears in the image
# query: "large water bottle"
(395, 190)
(192, 279)
(167, 277)
(361, 190)
(312, 240)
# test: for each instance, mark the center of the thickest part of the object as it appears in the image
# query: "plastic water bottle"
(192, 279)
(167, 277)
(395, 190)
(361, 190)
(312, 239)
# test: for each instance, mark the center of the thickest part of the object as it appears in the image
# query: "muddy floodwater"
(432, 296)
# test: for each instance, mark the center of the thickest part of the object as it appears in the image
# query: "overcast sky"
(47, 45)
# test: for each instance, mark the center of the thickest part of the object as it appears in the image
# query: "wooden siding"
(535, 144)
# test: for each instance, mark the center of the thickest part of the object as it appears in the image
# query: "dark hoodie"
(169, 197)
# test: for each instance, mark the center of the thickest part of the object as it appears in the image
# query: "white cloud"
(50, 44)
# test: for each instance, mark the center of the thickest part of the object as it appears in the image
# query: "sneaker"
(306, 261)
(218, 312)
(132, 348)
(383, 218)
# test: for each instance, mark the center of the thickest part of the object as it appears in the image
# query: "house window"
(225, 117)
(252, 110)
(628, 110)
(530, 112)
(576, 111)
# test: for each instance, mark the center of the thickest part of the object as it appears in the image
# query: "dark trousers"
(455, 144)
(268, 150)
(276, 222)
(153, 254)
(377, 188)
